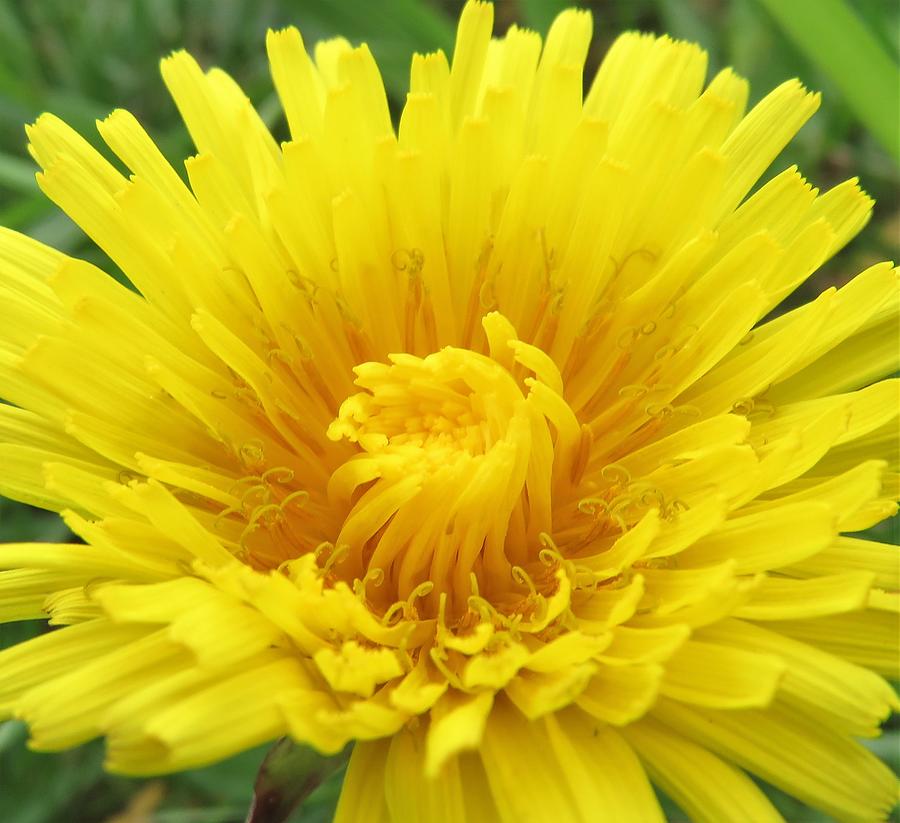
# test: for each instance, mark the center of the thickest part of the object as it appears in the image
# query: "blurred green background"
(82, 59)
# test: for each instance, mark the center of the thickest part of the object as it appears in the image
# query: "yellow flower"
(465, 441)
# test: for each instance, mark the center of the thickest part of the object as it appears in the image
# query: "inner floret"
(450, 494)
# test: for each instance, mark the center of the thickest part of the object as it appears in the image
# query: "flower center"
(459, 456)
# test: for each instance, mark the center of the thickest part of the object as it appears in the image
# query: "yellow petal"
(644, 645)
(621, 694)
(762, 134)
(50, 655)
(814, 681)
(472, 38)
(784, 599)
(191, 728)
(756, 542)
(357, 669)
(538, 694)
(494, 669)
(825, 770)
(439, 798)
(705, 787)
(69, 709)
(510, 744)
(868, 638)
(362, 795)
(297, 82)
(601, 770)
(849, 554)
(717, 676)
(457, 724)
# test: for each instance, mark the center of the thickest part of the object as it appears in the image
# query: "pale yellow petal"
(784, 599)
(619, 695)
(722, 677)
(457, 724)
(704, 786)
(756, 542)
(826, 770)
(847, 554)
(601, 770)
(513, 746)
(866, 638)
(437, 798)
(814, 681)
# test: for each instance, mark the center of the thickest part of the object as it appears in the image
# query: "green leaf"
(836, 40)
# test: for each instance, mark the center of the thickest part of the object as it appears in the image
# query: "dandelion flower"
(467, 442)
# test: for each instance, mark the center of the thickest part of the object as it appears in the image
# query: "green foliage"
(539, 14)
(838, 41)
(81, 60)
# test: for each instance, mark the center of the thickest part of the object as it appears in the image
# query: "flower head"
(467, 441)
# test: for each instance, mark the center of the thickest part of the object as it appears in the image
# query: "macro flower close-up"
(469, 438)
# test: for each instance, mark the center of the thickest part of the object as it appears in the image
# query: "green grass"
(81, 60)
(840, 43)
